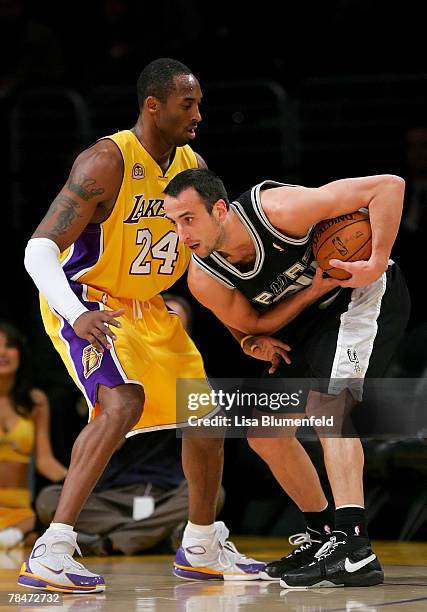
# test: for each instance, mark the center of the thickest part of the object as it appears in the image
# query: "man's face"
(196, 228)
(177, 118)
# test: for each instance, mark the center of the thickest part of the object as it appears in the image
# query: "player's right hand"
(93, 326)
(267, 348)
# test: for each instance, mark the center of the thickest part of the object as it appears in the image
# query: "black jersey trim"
(216, 275)
(256, 202)
(259, 247)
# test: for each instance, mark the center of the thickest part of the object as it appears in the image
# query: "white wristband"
(42, 264)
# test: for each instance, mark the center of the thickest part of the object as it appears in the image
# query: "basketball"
(347, 238)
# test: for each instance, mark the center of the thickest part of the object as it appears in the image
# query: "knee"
(260, 446)
(267, 447)
(126, 406)
(211, 446)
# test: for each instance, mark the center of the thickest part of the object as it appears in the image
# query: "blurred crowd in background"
(300, 93)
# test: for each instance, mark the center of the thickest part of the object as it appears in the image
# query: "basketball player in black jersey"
(256, 252)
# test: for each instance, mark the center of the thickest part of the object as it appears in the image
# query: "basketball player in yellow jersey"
(100, 258)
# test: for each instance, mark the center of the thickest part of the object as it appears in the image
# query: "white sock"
(201, 528)
(192, 530)
(64, 546)
(61, 526)
(10, 537)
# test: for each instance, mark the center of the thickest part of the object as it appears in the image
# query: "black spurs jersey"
(283, 265)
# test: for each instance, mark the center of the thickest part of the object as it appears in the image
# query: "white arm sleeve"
(42, 264)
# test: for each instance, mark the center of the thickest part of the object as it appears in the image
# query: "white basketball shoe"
(51, 566)
(213, 557)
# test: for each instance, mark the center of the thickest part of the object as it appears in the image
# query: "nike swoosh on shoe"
(353, 567)
(51, 569)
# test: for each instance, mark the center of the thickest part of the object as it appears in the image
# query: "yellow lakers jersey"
(135, 253)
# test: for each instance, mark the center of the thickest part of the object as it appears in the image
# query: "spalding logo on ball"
(347, 238)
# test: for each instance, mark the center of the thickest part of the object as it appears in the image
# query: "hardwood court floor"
(146, 584)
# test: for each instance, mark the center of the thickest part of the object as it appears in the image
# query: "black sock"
(351, 520)
(322, 522)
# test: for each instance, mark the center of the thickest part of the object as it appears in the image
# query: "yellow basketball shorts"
(152, 349)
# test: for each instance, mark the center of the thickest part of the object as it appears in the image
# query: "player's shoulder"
(195, 272)
(104, 154)
(200, 161)
(204, 282)
(274, 195)
(254, 192)
(197, 277)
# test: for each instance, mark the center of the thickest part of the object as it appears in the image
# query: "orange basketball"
(347, 238)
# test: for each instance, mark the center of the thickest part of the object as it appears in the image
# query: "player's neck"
(160, 151)
(237, 245)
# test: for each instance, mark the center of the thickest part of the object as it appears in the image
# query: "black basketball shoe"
(342, 561)
(308, 544)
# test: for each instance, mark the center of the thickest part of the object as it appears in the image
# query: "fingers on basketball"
(346, 238)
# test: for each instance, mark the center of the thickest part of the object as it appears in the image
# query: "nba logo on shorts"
(138, 171)
(91, 360)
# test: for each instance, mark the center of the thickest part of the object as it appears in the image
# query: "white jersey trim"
(256, 202)
(100, 252)
(356, 336)
(259, 248)
(69, 256)
(213, 273)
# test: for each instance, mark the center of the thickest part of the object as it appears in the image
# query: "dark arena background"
(298, 92)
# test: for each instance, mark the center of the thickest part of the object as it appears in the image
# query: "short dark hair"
(157, 79)
(207, 184)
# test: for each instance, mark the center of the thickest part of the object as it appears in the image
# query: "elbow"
(390, 188)
(398, 186)
(27, 258)
(397, 183)
(30, 255)
(36, 247)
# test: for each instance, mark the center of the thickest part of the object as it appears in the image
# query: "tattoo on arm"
(66, 209)
(83, 186)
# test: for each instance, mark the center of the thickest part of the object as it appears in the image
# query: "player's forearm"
(237, 335)
(276, 317)
(385, 211)
(42, 264)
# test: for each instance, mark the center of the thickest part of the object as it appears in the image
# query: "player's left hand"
(269, 349)
(363, 273)
(321, 284)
